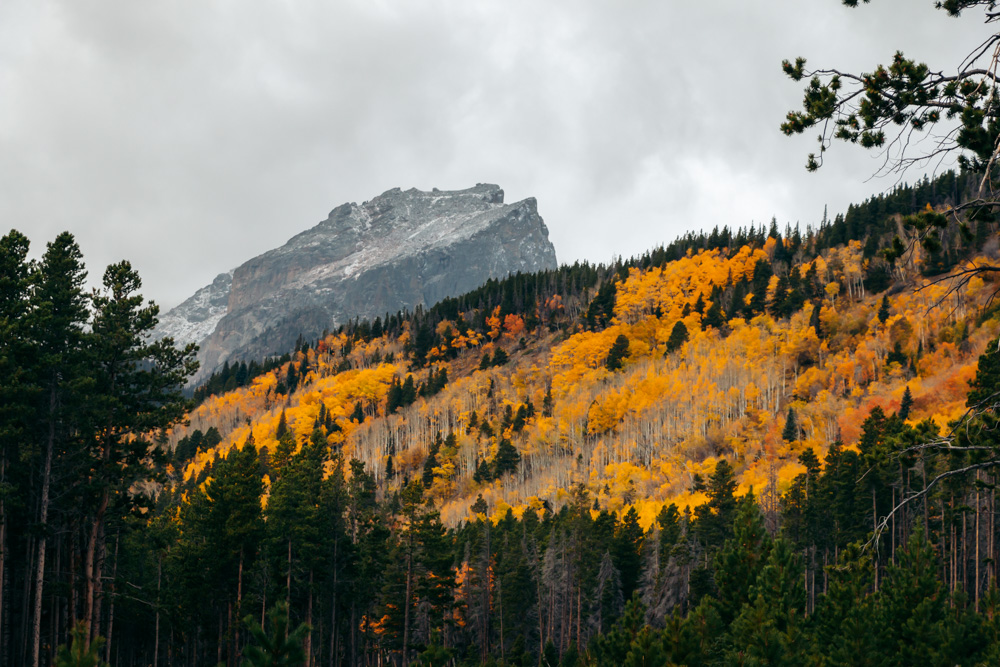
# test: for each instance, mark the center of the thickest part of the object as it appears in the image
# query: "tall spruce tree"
(57, 319)
(136, 393)
(16, 392)
(791, 430)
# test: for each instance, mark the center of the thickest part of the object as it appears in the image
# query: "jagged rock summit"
(399, 250)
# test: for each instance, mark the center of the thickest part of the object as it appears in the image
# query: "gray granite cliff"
(399, 250)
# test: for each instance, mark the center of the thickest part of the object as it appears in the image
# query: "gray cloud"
(189, 136)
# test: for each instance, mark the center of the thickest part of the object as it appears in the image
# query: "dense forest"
(752, 446)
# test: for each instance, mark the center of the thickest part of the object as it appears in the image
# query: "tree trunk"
(3, 552)
(333, 607)
(965, 550)
(991, 546)
(239, 608)
(111, 615)
(23, 655)
(307, 642)
(892, 551)
(406, 606)
(874, 528)
(74, 568)
(579, 611)
(500, 602)
(352, 633)
(541, 633)
(156, 625)
(90, 566)
(977, 542)
(43, 517)
(954, 550)
(288, 586)
(99, 580)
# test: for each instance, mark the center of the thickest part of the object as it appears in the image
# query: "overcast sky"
(189, 135)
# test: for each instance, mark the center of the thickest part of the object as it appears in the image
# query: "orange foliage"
(635, 437)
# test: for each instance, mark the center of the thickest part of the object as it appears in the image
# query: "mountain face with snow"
(399, 250)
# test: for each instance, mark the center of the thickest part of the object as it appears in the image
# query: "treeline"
(237, 375)
(84, 401)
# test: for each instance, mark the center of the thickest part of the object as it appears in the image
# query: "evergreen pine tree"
(714, 317)
(780, 306)
(618, 352)
(906, 404)
(627, 550)
(678, 336)
(430, 463)
(280, 648)
(741, 559)
(985, 388)
(883, 310)
(715, 518)
(394, 397)
(81, 652)
(608, 603)
(770, 629)
(506, 460)
(790, 432)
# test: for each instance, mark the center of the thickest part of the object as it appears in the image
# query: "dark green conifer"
(741, 559)
(627, 550)
(883, 311)
(678, 336)
(394, 397)
(280, 648)
(617, 353)
(769, 629)
(790, 432)
(715, 518)
(506, 460)
(714, 317)
(780, 306)
(430, 463)
(282, 427)
(906, 404)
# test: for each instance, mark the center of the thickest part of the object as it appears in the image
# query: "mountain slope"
(645, 433)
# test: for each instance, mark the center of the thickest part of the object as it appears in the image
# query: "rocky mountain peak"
(401, 249)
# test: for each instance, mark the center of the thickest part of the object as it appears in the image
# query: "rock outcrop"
(399, 250)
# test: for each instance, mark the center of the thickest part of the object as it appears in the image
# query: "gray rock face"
(399, 250)
(195, 319)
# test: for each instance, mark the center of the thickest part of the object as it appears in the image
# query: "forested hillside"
(728, 450)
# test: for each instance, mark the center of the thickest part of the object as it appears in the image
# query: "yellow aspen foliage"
(637, 436)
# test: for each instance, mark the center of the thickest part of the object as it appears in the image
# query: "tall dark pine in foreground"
(14, 275)
(136, 393)
(58, 312)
